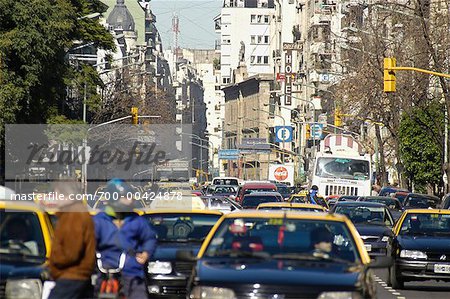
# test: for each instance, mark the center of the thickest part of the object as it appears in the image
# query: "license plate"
(368, 247)
(440, 268)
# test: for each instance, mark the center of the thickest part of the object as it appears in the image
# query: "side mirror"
(185, 256)
(381, 262)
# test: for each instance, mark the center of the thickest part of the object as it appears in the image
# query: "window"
(266, 39)
(259, 59)
(253, 19)
(260, 39)
(266, 59)
(260, 18)
(253, 39)
(266, 19)
(252, 59)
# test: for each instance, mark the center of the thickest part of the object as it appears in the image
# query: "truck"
(341, 167)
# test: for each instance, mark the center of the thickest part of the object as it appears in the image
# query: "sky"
(195, 22)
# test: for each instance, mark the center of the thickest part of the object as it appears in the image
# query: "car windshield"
(224, 190)
(254, 201)
(217, 203)
(392, 204)
(426, 224)
(250, 191)
(21, 233)
(365, 214)
(172, 227)
(421, 202)
(342, 168)
(283, 238)
(233, 182)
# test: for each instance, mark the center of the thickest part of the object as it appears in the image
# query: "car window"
(181, 227)
(296, 237)
(254, 201)
(250, 191)
(292, 209)
(421, 202)
(427, 224)
(365, 214)
(21, 233)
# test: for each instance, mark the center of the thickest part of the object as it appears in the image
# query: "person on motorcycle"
(118, 230)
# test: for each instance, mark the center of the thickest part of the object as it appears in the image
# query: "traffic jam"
(232, 238)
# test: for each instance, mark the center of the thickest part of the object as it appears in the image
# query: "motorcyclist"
(312, 195)
(118, 230)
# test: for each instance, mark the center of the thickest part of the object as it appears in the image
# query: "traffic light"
(389, 75)
(308, 131)
(337, 117)
(134, 115)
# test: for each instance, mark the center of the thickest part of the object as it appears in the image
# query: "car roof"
(259, 184)
(423, 195)
(378, 197)
(287, 214)
(290, 205)
(274, 193)
(360, 204)
(428, 211)
(180, 211)
(21, 205)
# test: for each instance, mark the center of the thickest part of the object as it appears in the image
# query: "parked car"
(246, 256)
(251, 187)
(373, 221)
(420, 247)
(176, 228)
(252, 200)
(25, 240)
(393, 204)
(420, 201)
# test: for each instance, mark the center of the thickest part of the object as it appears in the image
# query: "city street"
(419, 290)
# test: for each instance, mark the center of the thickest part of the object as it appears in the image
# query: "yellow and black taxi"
(176, 228)
(282, 254)
(25, 239)
(289, 206)
(420, 247)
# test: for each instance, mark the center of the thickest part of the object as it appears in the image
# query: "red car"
(251, 187)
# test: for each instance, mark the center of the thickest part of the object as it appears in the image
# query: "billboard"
(282, 173)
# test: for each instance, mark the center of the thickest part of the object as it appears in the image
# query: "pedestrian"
(72, 257)
(118, 230)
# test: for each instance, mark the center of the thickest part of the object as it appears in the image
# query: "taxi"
(289, 206)
(177, 226)
(420, 247)
(282, 254)
(25, 238)
(299, 197)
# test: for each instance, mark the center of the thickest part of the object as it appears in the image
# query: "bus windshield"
(342, 168)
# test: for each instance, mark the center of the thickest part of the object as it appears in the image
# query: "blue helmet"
(118, 188)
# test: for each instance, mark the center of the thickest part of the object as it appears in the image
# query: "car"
(165, 276)
(220, 203)
(300, 197)
(373, 221)
(233, 181)
(284, 190)
(276, 254)
(250, 187)
(420, 201)
(393, 204)
(446, 202)
(332, 202)
(251, 201)
(388, 190)
(223, 190)
(25, 240)
(420, 247)
(288, 206)
(400, 196)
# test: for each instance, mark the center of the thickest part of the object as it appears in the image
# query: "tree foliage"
(420, 150)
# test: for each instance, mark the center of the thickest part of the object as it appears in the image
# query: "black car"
(247, 257)
(166, 277)
(393, 204)
(284, 190)
(373, 221)
(420, 201)
(420, 247)
(251, 201)
(332, 202)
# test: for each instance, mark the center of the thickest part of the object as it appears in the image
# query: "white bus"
(341, 167)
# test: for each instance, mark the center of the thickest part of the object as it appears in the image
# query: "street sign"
(281, 77)
(254, 145)
(283, 134)
(228, 154)
(316, 131)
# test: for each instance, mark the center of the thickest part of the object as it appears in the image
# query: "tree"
(420, 151)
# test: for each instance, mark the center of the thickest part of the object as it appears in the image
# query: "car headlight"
(340, 295)
(23, 289)
(385, 239)
(413, 254)
(211, 293)
(159, 267)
